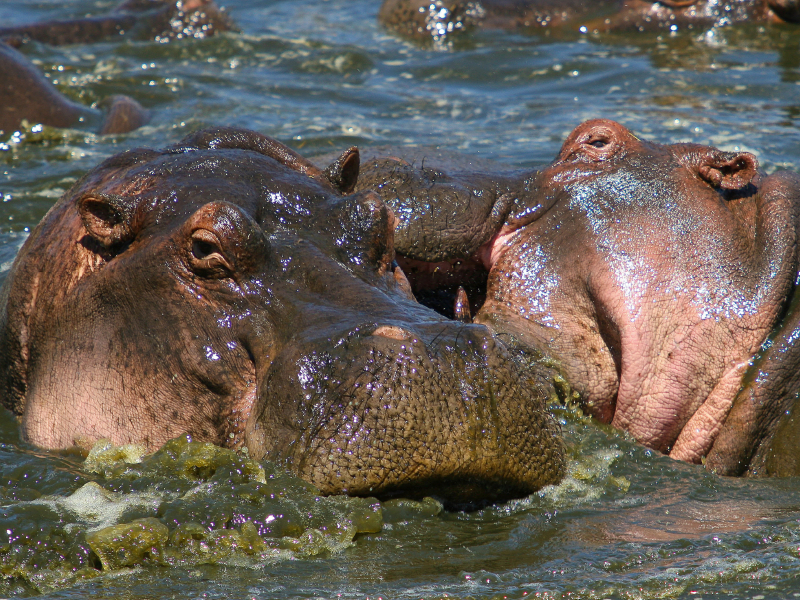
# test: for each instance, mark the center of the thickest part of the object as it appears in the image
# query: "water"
(321, 75)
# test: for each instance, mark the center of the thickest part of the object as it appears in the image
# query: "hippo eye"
(597, 140)
(201, 249)
(206, 256)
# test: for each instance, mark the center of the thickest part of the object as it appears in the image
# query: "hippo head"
(440, 21)
(164, 20)
(227, 288)
(652, 272)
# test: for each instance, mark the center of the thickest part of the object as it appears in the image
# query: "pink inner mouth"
(490, 252)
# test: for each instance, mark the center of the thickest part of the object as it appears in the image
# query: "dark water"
(320, 75)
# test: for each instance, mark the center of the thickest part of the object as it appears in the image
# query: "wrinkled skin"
(438, 20)
(28, 95)
(159, 20)
(653, 274)
(441, 230)
(228, 288)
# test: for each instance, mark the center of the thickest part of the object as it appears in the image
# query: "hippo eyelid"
(205, 242)
(596, 145)
(202, 249)
(207, 255)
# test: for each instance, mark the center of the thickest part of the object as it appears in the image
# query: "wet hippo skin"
(440, 19)
(652, 273)
(227, 288)
(441, 229)
(159, 20)
(28, 95)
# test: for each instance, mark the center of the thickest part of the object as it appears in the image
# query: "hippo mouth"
(446, 285)
(436, 285)
(456, 493)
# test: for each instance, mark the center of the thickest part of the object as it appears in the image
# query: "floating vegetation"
(190, 503)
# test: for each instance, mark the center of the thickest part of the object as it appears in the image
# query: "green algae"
(129, 544)
(625, 523)
(402, 509)
(195, 505)
(190, 503)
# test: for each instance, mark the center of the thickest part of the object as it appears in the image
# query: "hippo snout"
(435, 409)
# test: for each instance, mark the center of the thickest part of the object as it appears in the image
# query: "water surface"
(321, 75)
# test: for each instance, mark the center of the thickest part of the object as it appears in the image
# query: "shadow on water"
(320, 75)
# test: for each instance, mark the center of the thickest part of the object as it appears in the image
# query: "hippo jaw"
(654, 278)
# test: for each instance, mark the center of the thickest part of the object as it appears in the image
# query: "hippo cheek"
(109, 377)
(425, 410)
(689, 316)
(767, 393)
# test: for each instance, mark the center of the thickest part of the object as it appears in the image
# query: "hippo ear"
(343, 172)
(727, 170)
(107, 218)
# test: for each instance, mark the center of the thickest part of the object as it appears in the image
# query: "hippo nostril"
(391, 331)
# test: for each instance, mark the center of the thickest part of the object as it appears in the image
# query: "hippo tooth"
(461, 307)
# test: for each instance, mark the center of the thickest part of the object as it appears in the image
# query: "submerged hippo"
(652, 273)
(26, 94)
(160, 20)
(439, 19)
(227, 288)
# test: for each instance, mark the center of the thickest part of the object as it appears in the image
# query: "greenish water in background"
(321, 75)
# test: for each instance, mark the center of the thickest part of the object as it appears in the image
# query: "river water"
(320, 75)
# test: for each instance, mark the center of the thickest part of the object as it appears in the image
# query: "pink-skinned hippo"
(439, 20)
(660, 277)
(227, 288)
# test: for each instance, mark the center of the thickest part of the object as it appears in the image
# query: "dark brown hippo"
(440, 19)
(26, 94)
(227, 288)
(160, 20)
(654, 274)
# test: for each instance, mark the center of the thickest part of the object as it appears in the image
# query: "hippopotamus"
(29, 95)
(439, 20)
(227, 288)
(159, 20)
(661, 278)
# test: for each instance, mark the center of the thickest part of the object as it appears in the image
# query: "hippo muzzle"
(412, 410)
